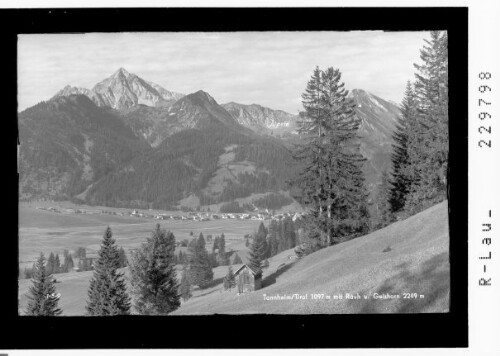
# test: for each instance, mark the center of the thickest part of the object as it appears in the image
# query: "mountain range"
(130, 142)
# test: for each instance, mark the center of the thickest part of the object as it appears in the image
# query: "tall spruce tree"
(428, 155)
(405, 139)
(153, 275)
(262, 236)
(42, 297)
(200, 269)
(107, 293)
(258, 250)
(331, 179)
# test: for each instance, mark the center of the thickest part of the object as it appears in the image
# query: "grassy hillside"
(416, 263)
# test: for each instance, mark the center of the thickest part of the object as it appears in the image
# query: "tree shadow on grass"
(431, 280)
(204, 294)
(271, 279)
(209, 285)
(212, 283)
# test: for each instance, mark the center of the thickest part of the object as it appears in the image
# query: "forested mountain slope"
(184, 162)
(68, 143)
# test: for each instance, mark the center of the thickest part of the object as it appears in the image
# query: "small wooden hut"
(248, 279)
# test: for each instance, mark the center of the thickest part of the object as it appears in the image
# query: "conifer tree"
(405, 139)
(200, 270)
(57, 264)
(68, 263)
(153, 275)
(215, 245)
(221, 258)
(272, 241)
(262, 236)
(429, 154)
(229, 279)
(51, 262)
(185, 286)
(331, 179)
(107, 293)
(257, 252)
(42, 297)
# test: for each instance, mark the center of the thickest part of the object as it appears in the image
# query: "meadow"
(45, 231)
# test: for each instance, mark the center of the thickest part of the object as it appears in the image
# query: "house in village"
(248, 279)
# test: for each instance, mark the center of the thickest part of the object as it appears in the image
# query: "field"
(44, 231)
(409, 256)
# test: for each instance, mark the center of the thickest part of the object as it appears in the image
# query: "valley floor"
(410, 256)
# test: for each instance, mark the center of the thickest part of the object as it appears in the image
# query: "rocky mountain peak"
(260, 118)
(123, 90)
(203, 95)
(121, 72)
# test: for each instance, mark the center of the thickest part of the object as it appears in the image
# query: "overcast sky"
(268, 68)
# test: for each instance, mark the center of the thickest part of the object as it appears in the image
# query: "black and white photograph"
(220, 178)
(242, 172)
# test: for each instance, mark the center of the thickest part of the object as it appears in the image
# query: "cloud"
(269, 68)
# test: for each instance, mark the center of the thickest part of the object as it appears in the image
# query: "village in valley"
(192, 216)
